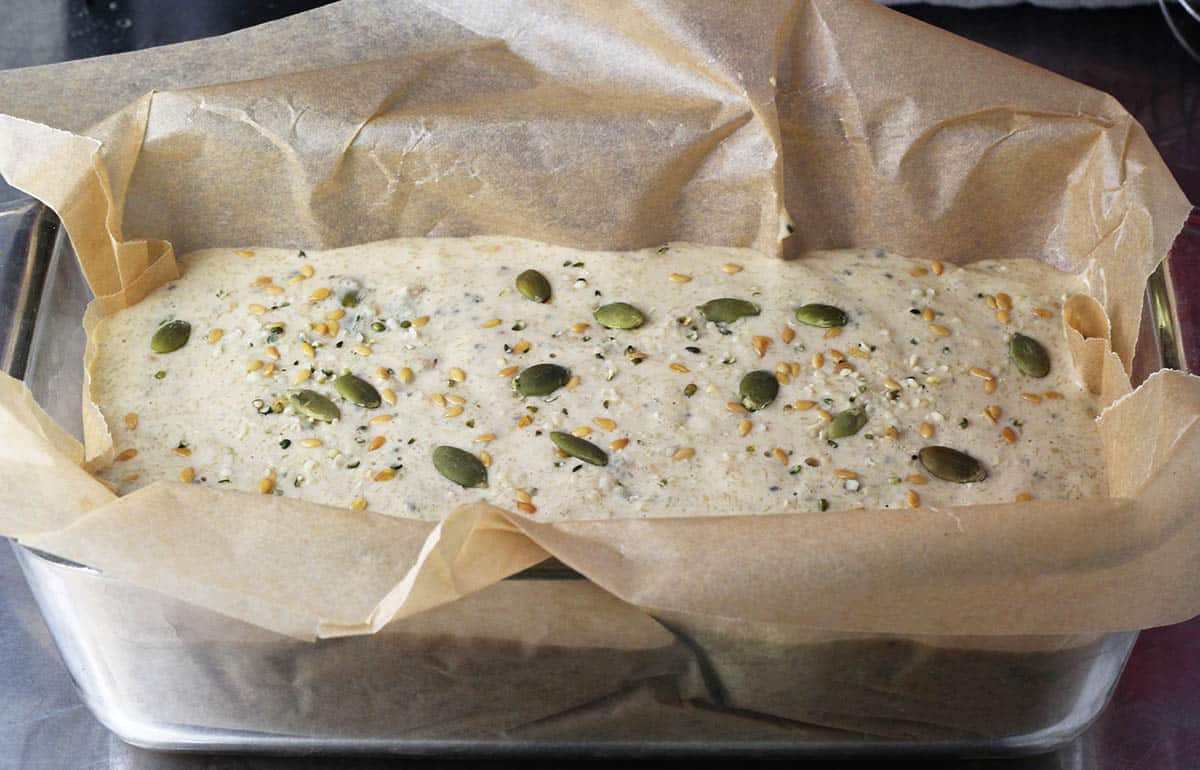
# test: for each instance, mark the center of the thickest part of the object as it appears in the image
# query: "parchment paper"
(616, 125)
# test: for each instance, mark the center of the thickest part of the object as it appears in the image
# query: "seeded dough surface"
(438, 329)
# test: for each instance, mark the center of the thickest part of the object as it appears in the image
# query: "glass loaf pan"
(465, 679)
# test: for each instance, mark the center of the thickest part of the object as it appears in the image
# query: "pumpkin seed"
(350, 299)
(823, 316)
(619, 315)
(459, 466)
(726, 310)
(541, 380)
(951, 465)
(579, 448)
(847, 423)
(357, 391)
(758, 389)
(1029, 356)
(314, 406)
(171, 336)
(533, 286)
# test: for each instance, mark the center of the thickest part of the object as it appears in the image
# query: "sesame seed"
(484, 438)
(735, 407)
(680, 278)
(937, 267)
(131, 421)
(913, 499)
(927, 430)
(794, 368)
(803, 406)
(1033, 397)
(457, 375)
(684, 454)
(917, 479)
(420, 321)
(580, 328)
(679, 368)
(1009, 435)
(618, 444)
(844, 474)
(526, 508)
(832, 332)
(182, 451)
(358, 504)
(731, 268)
(296, 279)
(311, 443)
(744, 427)
(261, 281)
(376, 442)
(265, 486)
(605, 423)
(362, 350)
(389, 395)
(215, 335)
(320, 294)
(492, 323)
(939, 330)
(256, 309)
(187, 475)
(454, 411)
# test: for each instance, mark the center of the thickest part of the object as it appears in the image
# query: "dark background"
(1153, 722)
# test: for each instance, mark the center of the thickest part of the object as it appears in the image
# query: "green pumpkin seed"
(1029, 356)
(847, 423)
(461, 467)
(619, 315)
(758, 389)
(314, 406)
(357, 391)
(579, 449)
(726, 310)
(533, 286)
(350, 299)
(541, 380)
(171, 336)
(951, 465)
(823, 316)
